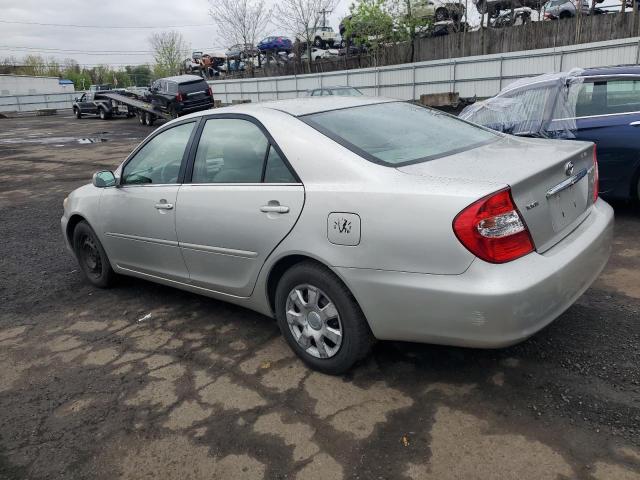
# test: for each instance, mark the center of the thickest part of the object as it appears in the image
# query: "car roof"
(308, 105)
(182, 78)
(623, 70)
(300, 106)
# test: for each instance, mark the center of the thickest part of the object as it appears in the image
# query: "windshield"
(197, 86)
(398, 133)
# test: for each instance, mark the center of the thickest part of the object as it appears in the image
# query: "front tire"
(91, 256)
(320, 319)
(77, 113)
(317, 42)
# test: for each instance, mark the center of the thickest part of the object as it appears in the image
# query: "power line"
(131, 27)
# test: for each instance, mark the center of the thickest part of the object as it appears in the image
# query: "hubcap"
(91, 256)
(314, 321)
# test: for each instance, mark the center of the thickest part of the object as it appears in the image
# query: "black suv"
(181, 95)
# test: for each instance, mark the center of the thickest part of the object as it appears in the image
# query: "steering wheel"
(170, 172)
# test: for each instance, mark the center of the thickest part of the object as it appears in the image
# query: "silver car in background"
(350, 219)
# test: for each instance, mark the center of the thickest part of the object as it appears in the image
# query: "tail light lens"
(493, 229)
(209, 92)
(179, 97)
(596, 175)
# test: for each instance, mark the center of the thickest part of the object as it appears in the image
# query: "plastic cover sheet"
(542, 106)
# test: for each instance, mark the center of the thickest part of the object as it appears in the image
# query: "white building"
(29, 85)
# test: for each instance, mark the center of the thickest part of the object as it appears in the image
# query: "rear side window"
(398, 133)
(623, 96)
(276, 171)
(230, 151)
(605, 97)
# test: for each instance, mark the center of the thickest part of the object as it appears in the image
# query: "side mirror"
(104, 179)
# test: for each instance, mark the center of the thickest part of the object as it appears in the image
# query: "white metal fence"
(31, 103)
(483, 76)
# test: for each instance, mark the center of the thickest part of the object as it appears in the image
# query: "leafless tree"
(169, 49)
(302, 18)
(240, 21)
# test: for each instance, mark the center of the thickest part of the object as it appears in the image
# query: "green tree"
(169, 50)
(370, 24)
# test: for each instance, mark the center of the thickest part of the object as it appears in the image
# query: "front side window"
(159, 160)
(230, 151)
(398, 133)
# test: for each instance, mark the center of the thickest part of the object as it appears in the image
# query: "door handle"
(274, 209)
(635, 124)
(164, 206)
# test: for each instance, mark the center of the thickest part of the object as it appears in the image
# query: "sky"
(119, 46)
(130, 45)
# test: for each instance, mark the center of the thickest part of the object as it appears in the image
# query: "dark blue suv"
(601, 105)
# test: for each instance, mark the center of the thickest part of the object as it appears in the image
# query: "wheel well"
(71, 226)
(278, 270)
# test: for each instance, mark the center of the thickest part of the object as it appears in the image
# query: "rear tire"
(334, 354)
(149, 118)
(442, 14)
(141, 117)
(317, 42)
(103, 114)
(91, 256)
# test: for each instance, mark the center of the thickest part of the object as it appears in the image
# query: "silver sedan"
(351, 219)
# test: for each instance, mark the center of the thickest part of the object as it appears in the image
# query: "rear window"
(197, 86)
(398, 133)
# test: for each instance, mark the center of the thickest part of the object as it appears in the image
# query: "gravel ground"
(144, 381)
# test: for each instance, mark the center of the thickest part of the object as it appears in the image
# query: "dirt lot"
(143, 381)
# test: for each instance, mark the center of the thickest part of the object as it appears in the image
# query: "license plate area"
(568, 204)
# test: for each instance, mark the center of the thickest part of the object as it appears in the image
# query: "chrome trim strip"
(188, 286)
(190, 246)
(219, 250)
(567, 183)
(136, 238)
(597, 116)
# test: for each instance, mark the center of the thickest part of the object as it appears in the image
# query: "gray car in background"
(350, 219)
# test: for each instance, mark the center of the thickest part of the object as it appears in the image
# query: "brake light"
(493, 229)
(179, 97)
(209, 92)
(596, 175)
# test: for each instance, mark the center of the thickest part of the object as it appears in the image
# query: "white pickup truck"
(321, 37)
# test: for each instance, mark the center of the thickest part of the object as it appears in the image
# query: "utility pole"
(324, 12)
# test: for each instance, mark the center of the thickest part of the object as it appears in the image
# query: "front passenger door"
(242, 201)
(139, 228)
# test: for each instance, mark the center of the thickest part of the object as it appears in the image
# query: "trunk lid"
(551, 181)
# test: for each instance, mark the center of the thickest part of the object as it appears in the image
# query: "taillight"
(596, 175)
(179, 97)
(209, 92)
(493, 229)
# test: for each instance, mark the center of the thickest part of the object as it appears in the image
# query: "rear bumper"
(196, 107)
(489, 305)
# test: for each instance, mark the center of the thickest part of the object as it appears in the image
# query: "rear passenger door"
(608, 113)
(242, 200)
